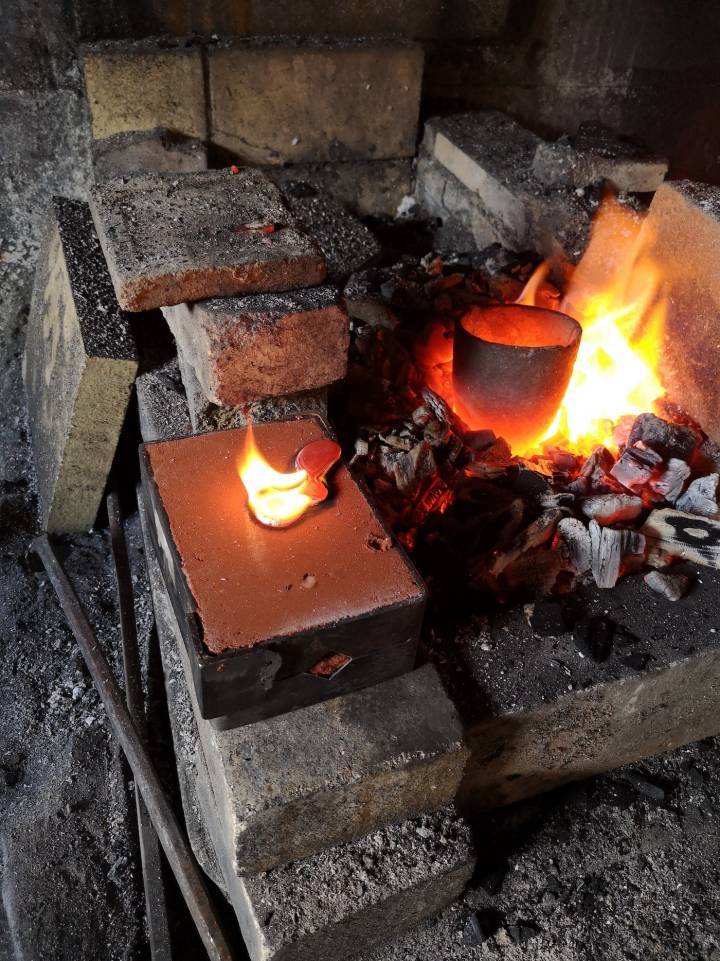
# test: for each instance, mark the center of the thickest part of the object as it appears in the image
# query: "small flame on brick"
(280, 499)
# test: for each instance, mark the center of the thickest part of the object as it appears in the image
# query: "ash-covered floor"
(624, 866)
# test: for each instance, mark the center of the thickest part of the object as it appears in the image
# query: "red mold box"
(260, 607)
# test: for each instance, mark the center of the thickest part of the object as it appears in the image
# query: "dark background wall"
(648, 68)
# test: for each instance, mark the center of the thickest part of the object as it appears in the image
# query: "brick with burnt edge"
(169, 238)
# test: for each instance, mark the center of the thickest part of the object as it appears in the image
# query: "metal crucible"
(511, 367)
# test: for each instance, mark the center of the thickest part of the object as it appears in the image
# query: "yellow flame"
(276, 499)
(617, 298)
(529, 294)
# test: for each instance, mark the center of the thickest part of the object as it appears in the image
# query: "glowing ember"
(279, 499)
(615, 294)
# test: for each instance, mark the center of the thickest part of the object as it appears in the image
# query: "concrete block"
(541, 711)
(347, 898)
(162, 404)
(276, 102)
(366, 187)
(172, 404)
(463, 221)
(245, 348)
(682, 234)
(492, 191)
(79, 366)
(492, 156)
(348, 245)
(590, 158)
(288, 787)
(138, 86)
(160, 150)
(213, 234)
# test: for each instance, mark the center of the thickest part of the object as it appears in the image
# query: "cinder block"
(682, 233)
(276, 102)
(464, 222)
(159, 150)
(552, 713)
(245, 348)
(348, 245)
(170, 239)
(162, 404)
(288, 787)
(138, 86)
(490, 156)
(172, 404)
(79, 366)
(585, 159)
(345, 899)
(366, 187)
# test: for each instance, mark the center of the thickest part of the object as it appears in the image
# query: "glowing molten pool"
(279, 499)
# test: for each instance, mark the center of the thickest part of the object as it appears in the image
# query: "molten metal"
(279, 499)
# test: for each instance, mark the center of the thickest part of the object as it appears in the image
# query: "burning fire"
(616, 296)
(279, 499)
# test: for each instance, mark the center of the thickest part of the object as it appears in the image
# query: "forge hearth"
(262, 610)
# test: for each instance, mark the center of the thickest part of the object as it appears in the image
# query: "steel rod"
(155, 895)
(173, 840)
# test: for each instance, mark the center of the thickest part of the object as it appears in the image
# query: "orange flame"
(616, 295)
(276, 499)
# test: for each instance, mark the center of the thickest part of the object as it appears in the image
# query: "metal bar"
(155, 895)
(173, 840)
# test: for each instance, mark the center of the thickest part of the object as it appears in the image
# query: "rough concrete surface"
(243, 349)
(170, 239)
(279, 101)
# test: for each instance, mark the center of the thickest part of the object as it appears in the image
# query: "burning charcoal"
(708, 454)
(397, 442)
(573, 545)
(669, 440)
(670, 483)
(436, 433)
(540, 531)
(422, 416)
(412, 466)
(599, 638)
(637, 467)
(361, 449)
(686, 536)
(479, 440)
(607, 549)
(594, 472)
(531, 483)
(656, 557)
(611, 508)
(671, 586)
(535, 572)
(563, 499)
(700, 497)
